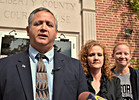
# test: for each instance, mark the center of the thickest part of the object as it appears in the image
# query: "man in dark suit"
(66, 78)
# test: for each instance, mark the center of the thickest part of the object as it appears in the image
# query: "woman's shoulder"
(133, 70)
(116, 80)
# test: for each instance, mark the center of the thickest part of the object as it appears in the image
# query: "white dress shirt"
(49, 66)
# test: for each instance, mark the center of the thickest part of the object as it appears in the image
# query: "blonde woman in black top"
(129, 77)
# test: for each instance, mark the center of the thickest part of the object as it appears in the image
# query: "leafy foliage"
(135, 6)
(134, 63)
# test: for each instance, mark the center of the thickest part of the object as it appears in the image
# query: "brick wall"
(112, 17)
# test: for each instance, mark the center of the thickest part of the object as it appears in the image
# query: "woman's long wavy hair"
(84, 54)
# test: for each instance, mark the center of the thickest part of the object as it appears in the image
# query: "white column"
(88, 20)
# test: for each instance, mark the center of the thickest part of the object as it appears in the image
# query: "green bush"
(135, 6)
(134, 63)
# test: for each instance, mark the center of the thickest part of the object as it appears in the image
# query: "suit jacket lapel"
(58, 76)
(24, 70)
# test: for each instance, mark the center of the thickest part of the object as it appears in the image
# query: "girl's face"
(95, 57)
(122, 55)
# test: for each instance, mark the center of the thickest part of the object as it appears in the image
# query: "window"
(17, 42)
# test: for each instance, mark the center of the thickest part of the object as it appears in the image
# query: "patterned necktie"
(42, 92)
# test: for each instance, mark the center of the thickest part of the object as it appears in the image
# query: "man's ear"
(27, 29)
(56, 34)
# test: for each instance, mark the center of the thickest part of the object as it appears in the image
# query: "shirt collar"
(33, 52)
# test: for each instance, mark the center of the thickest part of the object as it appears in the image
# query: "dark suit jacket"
(16, 81)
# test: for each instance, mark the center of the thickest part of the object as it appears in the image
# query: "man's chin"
(42, 42)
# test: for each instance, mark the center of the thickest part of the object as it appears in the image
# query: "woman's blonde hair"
(84, 53)
(121, 44)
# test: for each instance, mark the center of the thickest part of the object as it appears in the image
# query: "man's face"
(42, 31)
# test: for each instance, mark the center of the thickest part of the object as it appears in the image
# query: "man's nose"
(44, 26)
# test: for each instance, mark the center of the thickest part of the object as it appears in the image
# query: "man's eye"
(49, 24)
(37, 24)
(99, 54)
(92, 54)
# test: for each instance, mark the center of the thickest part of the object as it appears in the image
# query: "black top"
(134, 78)
(110, 90)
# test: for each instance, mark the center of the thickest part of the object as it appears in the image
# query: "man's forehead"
(43, 15)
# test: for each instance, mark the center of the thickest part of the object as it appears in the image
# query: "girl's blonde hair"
(121, 44)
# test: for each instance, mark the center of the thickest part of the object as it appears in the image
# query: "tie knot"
(39, 56)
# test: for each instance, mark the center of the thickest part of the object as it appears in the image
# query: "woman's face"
(95, 57)
(122, 55)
